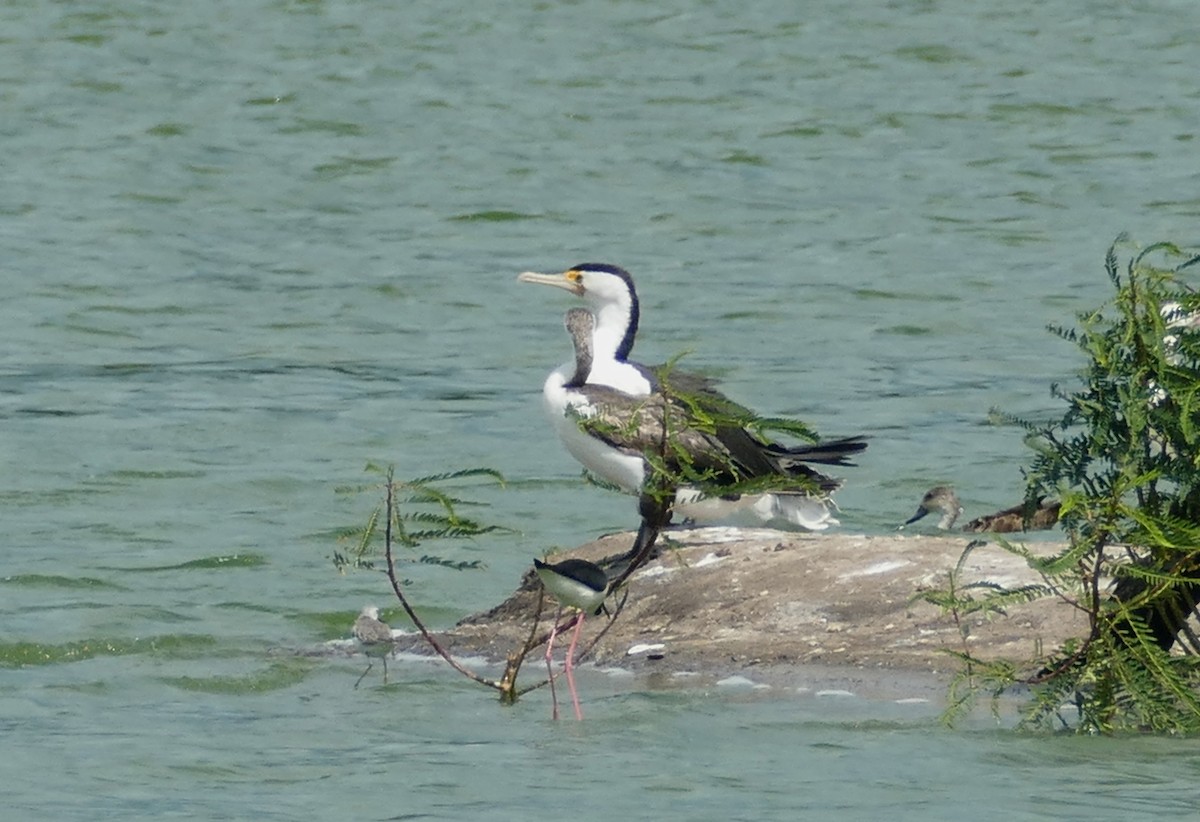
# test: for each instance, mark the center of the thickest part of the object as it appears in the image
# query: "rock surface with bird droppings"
(723, 600)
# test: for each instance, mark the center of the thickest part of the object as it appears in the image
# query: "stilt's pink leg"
(570, 666)
(550, 665)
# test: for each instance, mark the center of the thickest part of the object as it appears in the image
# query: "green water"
(249, 248)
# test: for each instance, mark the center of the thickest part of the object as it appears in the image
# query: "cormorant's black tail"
(829, 452)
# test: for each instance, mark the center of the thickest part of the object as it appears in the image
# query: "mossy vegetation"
(276, 676)
(29, 654)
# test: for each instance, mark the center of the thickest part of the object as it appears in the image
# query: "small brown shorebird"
(375, 638)
(579, 584)
(942, 499)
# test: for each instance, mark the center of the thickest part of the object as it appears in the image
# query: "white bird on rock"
(602, 371)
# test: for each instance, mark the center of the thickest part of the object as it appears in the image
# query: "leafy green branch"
(1124, 460)
(411, 526)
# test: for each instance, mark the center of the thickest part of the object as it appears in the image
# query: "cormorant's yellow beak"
(570, 280)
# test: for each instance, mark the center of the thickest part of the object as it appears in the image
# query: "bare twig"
(512, 666)
(391, 573)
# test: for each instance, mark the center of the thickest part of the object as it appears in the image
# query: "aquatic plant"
(1124, 458)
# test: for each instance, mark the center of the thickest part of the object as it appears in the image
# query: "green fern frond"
(450, 476)
(413, 523)
(784, 425)
(462, 565)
